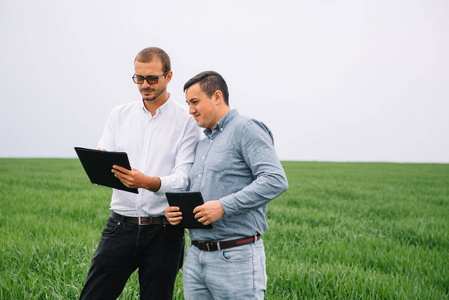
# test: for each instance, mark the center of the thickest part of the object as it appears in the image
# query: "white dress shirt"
(161, 146)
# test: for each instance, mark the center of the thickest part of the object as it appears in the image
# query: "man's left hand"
(209, 212)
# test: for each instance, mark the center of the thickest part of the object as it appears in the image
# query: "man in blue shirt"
(238, 172)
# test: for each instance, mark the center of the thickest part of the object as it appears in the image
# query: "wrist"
(154, 184)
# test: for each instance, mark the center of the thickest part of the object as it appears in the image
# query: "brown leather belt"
(213, 246)
(141, 220)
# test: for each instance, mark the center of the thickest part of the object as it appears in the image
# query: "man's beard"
(158, 93)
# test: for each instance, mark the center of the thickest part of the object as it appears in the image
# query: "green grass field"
(341, 231)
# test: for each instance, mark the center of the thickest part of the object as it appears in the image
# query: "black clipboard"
(187, 201)
(98, 165)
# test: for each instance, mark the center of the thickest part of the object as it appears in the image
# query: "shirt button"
(221, 129)
(210, 141)
(203, 157)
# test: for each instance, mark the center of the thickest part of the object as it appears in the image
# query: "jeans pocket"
(237, 254)
(110, 228)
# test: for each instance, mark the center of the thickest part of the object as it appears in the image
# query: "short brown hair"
(210, 81)
(151, 53)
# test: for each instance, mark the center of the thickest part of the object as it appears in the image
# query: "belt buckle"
(148, 220)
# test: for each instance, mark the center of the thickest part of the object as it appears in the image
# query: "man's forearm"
(153, 183)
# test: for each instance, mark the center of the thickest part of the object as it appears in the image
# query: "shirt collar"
(221, 125)
(161, 109)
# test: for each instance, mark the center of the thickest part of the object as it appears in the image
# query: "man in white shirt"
(160, 138)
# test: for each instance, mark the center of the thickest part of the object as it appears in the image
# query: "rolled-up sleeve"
(185, 155)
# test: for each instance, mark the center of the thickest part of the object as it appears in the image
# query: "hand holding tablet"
(98, 165)
(187, 201)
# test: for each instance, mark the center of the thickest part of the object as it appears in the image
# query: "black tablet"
(98, 165)
(187, 201)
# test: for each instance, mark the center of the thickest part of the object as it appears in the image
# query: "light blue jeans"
(234, 273)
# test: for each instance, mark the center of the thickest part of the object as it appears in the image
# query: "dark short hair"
(151, 53)
(210, 81)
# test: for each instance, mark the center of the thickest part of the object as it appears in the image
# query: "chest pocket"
(222, 157)
(227, 163)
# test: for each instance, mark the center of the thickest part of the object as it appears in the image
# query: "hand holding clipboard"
(187, 201)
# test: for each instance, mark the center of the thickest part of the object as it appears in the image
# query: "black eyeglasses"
(150, 79)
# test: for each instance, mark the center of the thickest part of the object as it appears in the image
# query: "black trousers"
(157, 251)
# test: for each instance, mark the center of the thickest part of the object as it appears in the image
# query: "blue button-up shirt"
(237, 164)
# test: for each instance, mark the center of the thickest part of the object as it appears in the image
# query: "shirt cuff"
(171, 184)
(226, 203)
(165, 186)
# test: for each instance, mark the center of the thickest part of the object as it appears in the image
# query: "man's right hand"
(173, 215)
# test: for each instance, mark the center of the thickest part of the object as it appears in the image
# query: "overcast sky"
(334, 80)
